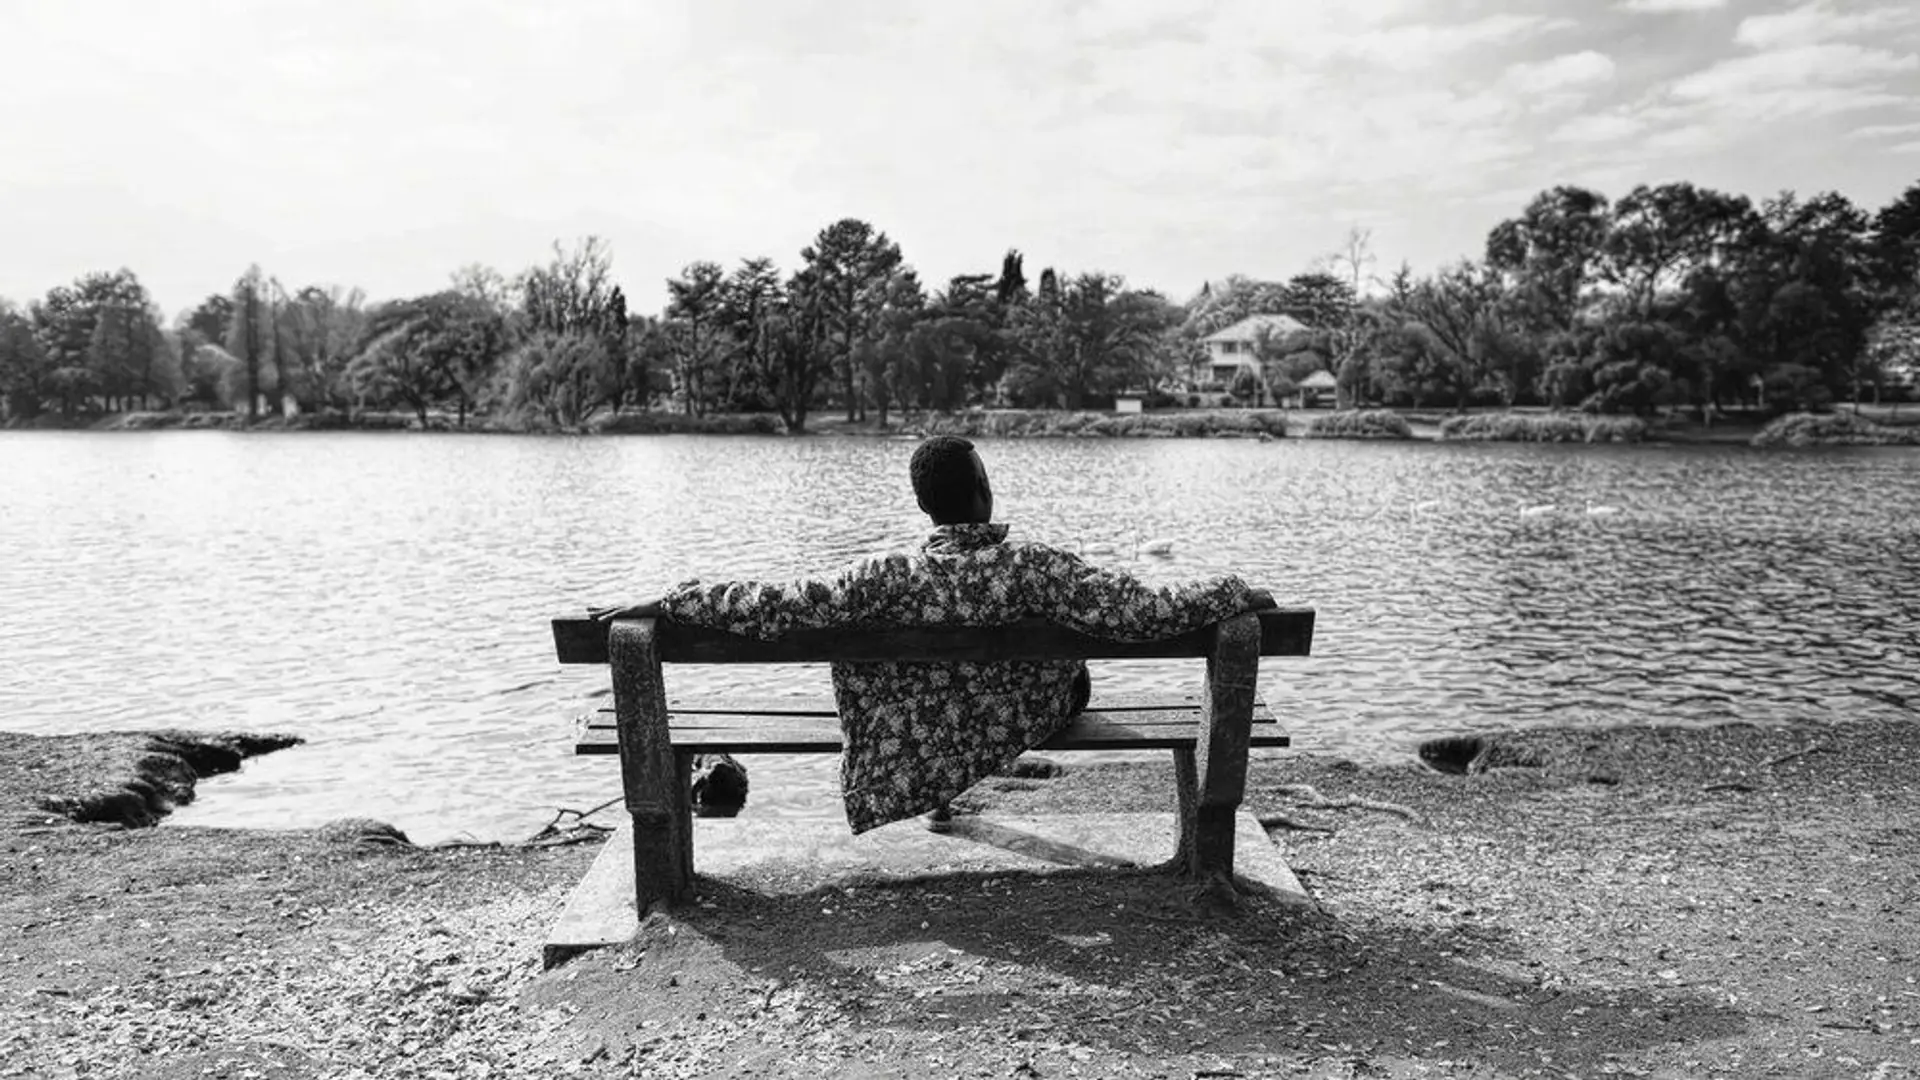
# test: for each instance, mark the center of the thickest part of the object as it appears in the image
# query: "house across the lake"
(1318, 389)
(1231, 351)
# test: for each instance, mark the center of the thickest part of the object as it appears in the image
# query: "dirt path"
(1649, 902)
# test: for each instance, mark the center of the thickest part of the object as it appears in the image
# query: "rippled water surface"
(386, 596)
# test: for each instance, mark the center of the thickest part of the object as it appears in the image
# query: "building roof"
(1319, 380)
(1248, 329)
(208, 348)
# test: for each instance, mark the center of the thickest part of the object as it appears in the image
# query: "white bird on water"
(1539, 511)
(1600, 511)
(1104, 549)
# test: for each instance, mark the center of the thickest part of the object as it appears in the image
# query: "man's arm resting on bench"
(646, 609)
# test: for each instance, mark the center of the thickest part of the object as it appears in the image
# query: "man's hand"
(647, 609)
(1260, 600)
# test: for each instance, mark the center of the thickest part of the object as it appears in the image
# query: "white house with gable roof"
(1231, 351)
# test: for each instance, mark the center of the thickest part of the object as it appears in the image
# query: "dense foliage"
(1671, 296)
(1253, 424)
(1833, 429)
(1543, 427)
(1359, 424)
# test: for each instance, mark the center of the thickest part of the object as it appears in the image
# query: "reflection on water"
(386, 595)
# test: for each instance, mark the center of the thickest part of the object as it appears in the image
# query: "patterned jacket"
(917, 734)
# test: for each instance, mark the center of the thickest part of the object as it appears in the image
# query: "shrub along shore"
(1543, 427)
(1157, 425)
(1359, 424)
(1840, 428)
(1834, 429)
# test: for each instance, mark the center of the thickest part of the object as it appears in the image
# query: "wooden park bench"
(1208, 734)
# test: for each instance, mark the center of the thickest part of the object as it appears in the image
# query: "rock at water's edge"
(128, 778)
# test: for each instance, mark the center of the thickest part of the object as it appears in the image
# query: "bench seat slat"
(795, 706)
(822, 704)
(716, 715)
(792, 734)
(598, 741)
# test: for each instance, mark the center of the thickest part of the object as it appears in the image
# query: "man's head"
(951, 483)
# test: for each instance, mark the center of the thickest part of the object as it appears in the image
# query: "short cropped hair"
(943, 476)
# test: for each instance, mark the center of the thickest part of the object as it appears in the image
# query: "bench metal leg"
(655, 778)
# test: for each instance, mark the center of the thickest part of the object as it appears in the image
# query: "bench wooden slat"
(799, 738)
(746, 721)
(786, 706)
(581, 640)
(749, 722)
(800, 735)
(1103, 702)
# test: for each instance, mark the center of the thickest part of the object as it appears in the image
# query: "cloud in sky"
(386, 142)
(1565, 72)
(1800, 77)
(1807, 65)
(1875, 131)
(1663, 6)
(1822, 21)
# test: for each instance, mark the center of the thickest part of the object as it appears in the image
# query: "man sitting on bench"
(917, 734)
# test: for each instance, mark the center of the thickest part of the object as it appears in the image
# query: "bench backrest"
(1283, 632)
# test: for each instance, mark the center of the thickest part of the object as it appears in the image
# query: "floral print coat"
(917, 734)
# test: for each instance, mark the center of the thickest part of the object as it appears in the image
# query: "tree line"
(853, 327)
(1673, 295)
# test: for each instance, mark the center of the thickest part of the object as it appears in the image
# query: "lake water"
(386, 595)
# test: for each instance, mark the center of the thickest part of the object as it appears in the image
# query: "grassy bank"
(996, 423)
(1543, 427)
(627, 423)
(1163, 425)
(607, 423)
(1881, 427)
(1646, 901)
(1834, 429)
(1358, 424)
(664, 423)
(233, 421)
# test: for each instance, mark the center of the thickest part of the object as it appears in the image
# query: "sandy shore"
(1734, 901)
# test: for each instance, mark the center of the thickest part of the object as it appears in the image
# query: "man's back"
(919, 734)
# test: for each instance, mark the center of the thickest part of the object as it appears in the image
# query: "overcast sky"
(383, 143)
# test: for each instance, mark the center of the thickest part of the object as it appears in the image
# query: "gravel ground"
(1733, 901)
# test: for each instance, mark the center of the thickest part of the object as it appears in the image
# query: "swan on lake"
(1157, 547)
(1541, 510)
(1600, 511)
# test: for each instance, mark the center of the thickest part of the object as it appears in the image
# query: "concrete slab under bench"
(601, 911)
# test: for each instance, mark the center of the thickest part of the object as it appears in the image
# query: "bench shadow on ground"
(1128, 961)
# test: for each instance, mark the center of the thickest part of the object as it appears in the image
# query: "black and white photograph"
(1136, 539)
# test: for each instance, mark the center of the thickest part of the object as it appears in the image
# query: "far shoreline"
(1872, 425)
